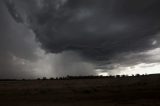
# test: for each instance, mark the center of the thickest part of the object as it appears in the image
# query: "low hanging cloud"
(95, 29)
(99, 33)
(22, 57)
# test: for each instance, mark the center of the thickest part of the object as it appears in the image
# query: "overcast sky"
(78, 37)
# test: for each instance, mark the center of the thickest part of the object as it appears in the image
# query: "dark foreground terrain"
(126, 91)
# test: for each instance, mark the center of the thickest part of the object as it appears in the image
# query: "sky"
(53, 38)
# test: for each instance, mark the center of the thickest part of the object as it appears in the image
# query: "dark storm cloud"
(15, 44)
(104, 32)
(21, 56)
(97, 29)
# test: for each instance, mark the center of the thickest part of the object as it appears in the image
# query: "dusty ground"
(128, 91)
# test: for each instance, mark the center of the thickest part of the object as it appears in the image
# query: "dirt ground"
(127, 91)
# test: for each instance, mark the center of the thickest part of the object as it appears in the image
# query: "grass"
(120, 91)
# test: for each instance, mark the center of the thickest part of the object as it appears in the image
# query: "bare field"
(126, 91)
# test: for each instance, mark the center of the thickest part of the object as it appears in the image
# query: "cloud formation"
(22, 57)
(95, 29)
(104, 33)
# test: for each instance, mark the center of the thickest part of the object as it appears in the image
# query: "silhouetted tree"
(118, 76)
(44, 78)
(137, 75)
(51, 78)
(38, 79)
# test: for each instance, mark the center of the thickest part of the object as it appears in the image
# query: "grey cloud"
(102, 32)
(15, 41)
(94, 28)
(21, 56)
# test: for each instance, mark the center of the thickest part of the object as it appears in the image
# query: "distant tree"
(137, 75)
(44, 78)
(51, 78)
(111, 76)
(38, 79)
(118, 76)
(123, 75)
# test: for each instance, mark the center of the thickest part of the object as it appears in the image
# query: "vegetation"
(82, 91)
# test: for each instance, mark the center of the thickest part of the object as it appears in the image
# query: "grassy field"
(126, 91)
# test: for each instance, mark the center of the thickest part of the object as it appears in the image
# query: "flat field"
(126, 91)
